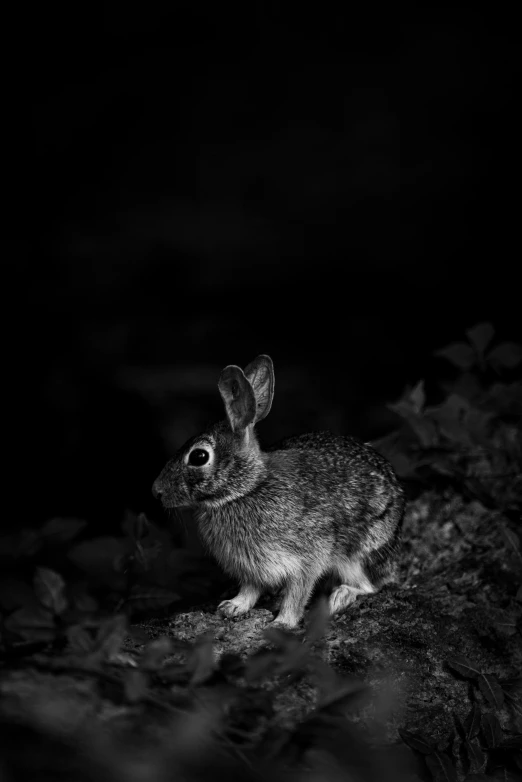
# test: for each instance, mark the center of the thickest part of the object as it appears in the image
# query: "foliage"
(136, 573)
(67, 602)
(478, 745)
(218, 714)
(472, 436)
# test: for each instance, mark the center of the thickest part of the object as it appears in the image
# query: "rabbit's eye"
(198, 457)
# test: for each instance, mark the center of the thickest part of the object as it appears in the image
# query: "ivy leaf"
(512, 686)
(231, 664)
(425, 430)
(472, 722)
(512, 541)
(155, 652)
(418, 397)
(441, 767)
(463, 667)
(111, 634)
(318, 619)
(507, 355)
(480, 337)
(416, 741)
(259, 665)
(506, 624)
(49, 588)
(32, 624)
(282, 639)
(62, 530)
(349, 695)
(411, 403)
(102, 559)
(149, 597)
(491, 730)
(476, 757)
(459, 354)
(202, 662)
(491, 690)
(135, 684)
(80, 639)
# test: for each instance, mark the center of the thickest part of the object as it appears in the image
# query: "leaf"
(506, 624)
(231, 664)
(416, 741)
(425, 430)
(507, 355)
(101, 557)
(418, 397)
(480, 336)
(491, 690)
(513, 686)
(512, 540)
(318, 619)
(32, 624)
(476, 757)
(155, 652)
(80, 639)
(283, 639)
(294, 660)
(491, 730)
(49, 588)
(463, 667)
(350, 694)
(136, 685)
(441, 767)
(149, 597)
(472, 722)
(260, 665)
(135, 526)
(202, 662)
(61, 530)
(459, 354)
(111, 634)
(83, 601)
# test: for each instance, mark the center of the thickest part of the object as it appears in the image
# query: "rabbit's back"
(354, 487)
(322, 498)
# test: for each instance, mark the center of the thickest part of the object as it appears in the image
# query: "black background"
(190, 187)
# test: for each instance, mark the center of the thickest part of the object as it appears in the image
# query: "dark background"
(189, 188)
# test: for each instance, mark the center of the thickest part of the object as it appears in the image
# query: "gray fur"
(313, 505)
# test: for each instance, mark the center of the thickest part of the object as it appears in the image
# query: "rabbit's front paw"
(232, 607)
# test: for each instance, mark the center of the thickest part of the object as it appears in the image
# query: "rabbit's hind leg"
(295, 597)
(354, 582)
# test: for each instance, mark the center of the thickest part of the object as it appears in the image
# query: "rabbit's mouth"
(161, 490)
(171, 501)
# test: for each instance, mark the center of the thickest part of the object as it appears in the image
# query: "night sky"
(191, 187)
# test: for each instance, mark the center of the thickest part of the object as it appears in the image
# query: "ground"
(443, 639)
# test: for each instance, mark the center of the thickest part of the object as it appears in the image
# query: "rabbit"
(313, 505)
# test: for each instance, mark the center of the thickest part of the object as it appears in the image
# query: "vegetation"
(103, 676)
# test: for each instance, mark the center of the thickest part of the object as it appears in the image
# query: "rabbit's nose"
(157, 490)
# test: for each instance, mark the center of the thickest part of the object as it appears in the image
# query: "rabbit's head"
(224, 462)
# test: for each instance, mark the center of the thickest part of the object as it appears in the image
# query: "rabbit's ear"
(260, 374)
(238, 397)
